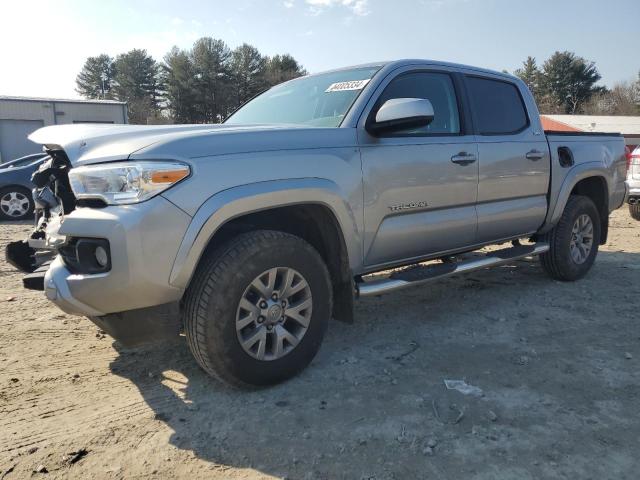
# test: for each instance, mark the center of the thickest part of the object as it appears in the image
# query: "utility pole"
(103, 77)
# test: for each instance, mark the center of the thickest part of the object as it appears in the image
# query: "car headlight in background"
(122, 183)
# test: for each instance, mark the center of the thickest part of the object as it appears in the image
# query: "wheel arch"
(595, 188)
(590, 181)
(17, 186)
(309, 208)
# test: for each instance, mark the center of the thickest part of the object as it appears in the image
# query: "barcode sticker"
(345, 86)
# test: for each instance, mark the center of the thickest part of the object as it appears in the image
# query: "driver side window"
(435, 87)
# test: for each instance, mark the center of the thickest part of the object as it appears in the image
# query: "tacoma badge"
(407, 206)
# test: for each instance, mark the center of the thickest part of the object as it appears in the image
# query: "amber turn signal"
(169, 176)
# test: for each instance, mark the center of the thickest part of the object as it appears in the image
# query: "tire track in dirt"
(81, 420)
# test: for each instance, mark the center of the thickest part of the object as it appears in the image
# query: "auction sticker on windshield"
(344, 86)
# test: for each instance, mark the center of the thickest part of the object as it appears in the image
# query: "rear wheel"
(16, 203)
(257, 309)
(573, 243)
(634, 210)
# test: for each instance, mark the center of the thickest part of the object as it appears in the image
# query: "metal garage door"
(13, 138)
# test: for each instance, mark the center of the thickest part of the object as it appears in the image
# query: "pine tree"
(180, 89)
(137, 82)
(530, 74)
(201, 85)
(248, 70)
(96, 77)
(210, 59)
(569, 81)
(281, 68)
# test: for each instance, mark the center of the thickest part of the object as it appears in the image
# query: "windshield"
(319, 100)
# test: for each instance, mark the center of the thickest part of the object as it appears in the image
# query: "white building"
(19, 116)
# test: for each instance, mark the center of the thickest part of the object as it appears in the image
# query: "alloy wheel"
(581, 239)
(274, 313)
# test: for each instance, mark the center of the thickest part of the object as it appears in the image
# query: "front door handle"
(464, 158)
(534, 155)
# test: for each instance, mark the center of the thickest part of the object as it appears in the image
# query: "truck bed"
(588, 150)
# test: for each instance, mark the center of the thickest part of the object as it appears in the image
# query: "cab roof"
(392, 64)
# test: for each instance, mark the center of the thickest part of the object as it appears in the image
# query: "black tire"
(6, 213)
(634, 210)
(558, 262)
(212, 300)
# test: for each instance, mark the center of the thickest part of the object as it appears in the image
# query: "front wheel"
(574, 241)
(634, 210)
(257, 309)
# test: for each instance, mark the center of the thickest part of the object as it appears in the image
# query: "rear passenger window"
(435, 87)
(497, 106)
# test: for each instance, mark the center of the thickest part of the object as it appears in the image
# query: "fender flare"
(238, 201)
(576, 174)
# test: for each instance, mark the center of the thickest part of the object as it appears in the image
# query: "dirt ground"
(557, 364)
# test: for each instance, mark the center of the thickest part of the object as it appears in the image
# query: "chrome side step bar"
(409, 278)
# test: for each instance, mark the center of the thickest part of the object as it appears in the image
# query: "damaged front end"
(53, 199)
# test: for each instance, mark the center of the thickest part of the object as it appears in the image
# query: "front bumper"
(57, 290)
(144, 240)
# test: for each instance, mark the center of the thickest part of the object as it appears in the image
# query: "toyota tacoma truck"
(250, 235)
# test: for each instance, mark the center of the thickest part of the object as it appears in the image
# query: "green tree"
(96, 77)
(210, 59)
(281, 68)
(248, 72)
(137, 82)
(201, 85)
(180, 86)
(568, 82)
(530, 74)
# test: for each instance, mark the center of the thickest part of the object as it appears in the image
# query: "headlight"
(122, 183)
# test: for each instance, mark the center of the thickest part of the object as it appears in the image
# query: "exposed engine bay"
(53, 199)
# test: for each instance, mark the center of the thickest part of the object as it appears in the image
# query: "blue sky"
(43, 44)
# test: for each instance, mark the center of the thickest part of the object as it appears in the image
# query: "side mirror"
(400, 114)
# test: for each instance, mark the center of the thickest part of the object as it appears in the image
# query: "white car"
(633, 183)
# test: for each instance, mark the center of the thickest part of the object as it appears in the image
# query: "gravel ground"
(557, 364)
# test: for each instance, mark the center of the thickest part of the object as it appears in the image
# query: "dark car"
(16, 202)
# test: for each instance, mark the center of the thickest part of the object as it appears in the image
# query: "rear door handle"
(535, 155)
(464, 158)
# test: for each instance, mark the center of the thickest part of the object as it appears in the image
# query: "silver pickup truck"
(250, 235)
